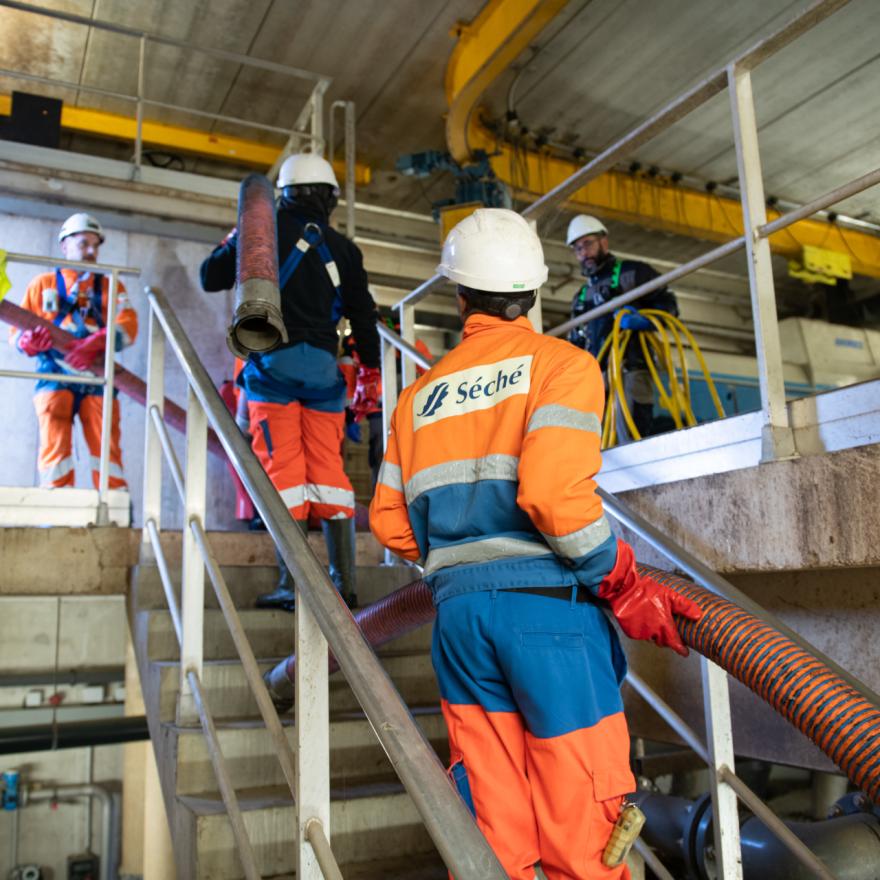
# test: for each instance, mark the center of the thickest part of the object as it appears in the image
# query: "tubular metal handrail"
(224, 781)
(784, 834)
(447, 819)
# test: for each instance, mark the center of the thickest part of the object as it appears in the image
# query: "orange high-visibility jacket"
(42, 298)
(488, 474)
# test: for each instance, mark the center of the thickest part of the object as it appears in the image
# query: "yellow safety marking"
(177, 138)
(489, 44)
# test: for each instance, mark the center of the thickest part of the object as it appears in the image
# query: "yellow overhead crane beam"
(487, 46)
(177, 138)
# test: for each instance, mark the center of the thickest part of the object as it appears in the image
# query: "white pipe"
(57, 792)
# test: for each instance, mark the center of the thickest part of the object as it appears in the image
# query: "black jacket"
(307, 300)
(600, 288)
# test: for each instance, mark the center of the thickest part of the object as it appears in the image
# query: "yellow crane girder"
(487, 46)
(177, 138)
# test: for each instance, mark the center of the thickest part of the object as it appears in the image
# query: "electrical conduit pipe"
(802, 689)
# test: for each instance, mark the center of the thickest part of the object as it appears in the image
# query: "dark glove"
(366, 392)
(82, 354)
(353, 432)
(632, 320)
(643, 607)
(32, 342)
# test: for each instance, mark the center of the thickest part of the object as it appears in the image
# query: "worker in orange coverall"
(75, 301)
(489, 482)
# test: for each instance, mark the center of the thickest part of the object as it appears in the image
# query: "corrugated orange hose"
(838, 719)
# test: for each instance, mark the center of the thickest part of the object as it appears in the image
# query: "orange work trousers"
(300, 450)
(55, 412)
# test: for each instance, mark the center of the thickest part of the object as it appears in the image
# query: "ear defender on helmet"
(507, 307)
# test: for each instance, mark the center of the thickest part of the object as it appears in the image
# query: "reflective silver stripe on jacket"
(56, 471)
(114, 470)
(391, 476)
(467, 470)
(294, 496)
(318, 494)
(483, 551)
(555, 415)
(582, 541)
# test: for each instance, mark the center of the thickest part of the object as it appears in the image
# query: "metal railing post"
(152, 504)
(536, 313)
(389, 402)
(316, 116)
(193, 579)
(719, 735)
(350, 161)
(138, 141)
(312, 737)
(777, 437)
(407, 315)
(102, 517)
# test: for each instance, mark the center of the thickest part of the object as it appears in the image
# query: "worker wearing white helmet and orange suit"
(489, 481)
(75, 301)
(296, 393)
(608, 277)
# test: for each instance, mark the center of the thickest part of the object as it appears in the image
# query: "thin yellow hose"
(677, 400)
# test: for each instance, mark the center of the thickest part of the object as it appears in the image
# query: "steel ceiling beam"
(498, 35)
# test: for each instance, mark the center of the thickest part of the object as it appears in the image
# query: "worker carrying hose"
(75, 301)
(488, 482)
(295, 392)
(608, 277)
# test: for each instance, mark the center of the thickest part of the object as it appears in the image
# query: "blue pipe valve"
(9, 797)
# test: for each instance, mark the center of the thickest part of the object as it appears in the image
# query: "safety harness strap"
(67, 302)
(312, 237)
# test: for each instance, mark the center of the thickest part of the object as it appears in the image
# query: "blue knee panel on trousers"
(558, 664)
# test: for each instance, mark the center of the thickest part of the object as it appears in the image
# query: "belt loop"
(574, 595)
(494, 593)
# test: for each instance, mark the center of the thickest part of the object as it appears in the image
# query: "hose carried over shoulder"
(257, 325)
(839, 720)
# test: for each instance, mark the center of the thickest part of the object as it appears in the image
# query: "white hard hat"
(305, 168)
(494, 249)
(82, 222)
(583, 225)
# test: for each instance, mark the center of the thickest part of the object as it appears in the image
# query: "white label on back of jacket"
(471, 390)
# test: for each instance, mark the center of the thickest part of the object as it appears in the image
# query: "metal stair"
(376, 830)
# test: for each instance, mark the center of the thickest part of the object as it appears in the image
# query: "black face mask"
(316, 199)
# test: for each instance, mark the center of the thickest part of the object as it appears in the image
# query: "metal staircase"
(376, 828)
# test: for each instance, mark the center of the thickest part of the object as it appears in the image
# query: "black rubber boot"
(339, 535)
(283, 595)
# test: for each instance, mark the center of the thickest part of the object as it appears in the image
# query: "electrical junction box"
(83, 867)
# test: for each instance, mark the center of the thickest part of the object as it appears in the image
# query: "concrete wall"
(169, 263)
(91, 632)
(47, 835)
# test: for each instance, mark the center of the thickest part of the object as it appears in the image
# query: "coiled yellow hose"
(664, 347)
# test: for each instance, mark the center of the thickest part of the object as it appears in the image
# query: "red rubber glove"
(32, 342)
(82, 354)
(366, 391)
(643, 607)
